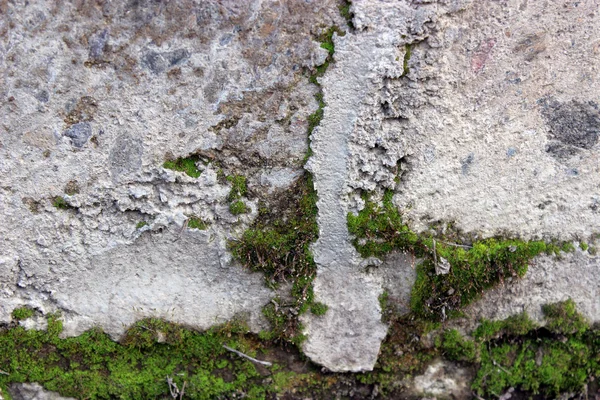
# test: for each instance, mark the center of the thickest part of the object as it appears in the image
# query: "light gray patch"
(79, 133)
(33, 391)
(573, 124)
(126, 155)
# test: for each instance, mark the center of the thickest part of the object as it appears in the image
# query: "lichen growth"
(184, 164)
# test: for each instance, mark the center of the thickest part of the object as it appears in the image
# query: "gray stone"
(125, 155)
(159, 62)
(33, 391)
(79, 133)
(574, 123)
(98, 44)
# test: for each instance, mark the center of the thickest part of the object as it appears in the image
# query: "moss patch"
(546, 361)
(140, 224)
(278, 244)
(93, 366)
(197, 223)
(22, 313)
(60, 203)
(239, 187)
(185, 164)
(237, 207)
(563, 318)
(473, 269)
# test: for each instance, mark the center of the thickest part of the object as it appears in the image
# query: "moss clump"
(22, 313)
(455, 347)
(278, 244)
(239, 187)
(563, 317)
(237, 207)
(318, 308)
(186, 164)
(583, 246)
(519, 324)
(408, 53)
(541, 361)
(197, 223)
(238, 190)
(60, 203)
(473, 269)
(140, 224)
(93, 366)
(326, 39)
(346, 13)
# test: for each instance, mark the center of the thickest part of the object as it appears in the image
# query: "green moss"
(22, 313)
(239, 187)
(456, 348)
(197, 223)
(186, 164)
(318, 308)
(567, 247)
(93, 366)
(519, 324)
(537, 365)
(563, 317)
(408, 53)
(583, 246)
(278, 244)
(380, 229)
(60, 203)
(346, 13)
(237, 207)
(141, 224)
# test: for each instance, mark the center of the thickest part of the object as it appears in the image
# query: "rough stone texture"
(442, 379)
(33, 391)
(480, 110)
(486, 110)
(95, 96)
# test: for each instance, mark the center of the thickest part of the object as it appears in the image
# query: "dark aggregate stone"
(79, 133)
(573, 123)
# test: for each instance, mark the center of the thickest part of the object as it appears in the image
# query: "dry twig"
(239, 353)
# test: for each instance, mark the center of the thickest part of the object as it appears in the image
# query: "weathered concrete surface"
(94, 97)
(486, 110)
(549, 280)
(490, 124)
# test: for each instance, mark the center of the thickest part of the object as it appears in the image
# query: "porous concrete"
(550, 279)
(94, 98)
(481, 114)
